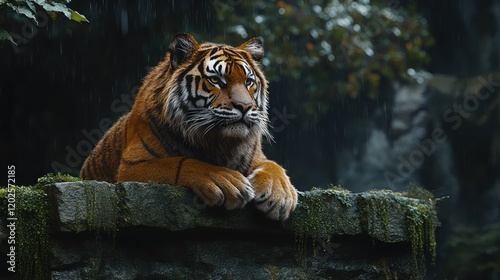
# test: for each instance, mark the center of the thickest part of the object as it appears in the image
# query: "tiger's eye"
(249, 82)
(214, 80)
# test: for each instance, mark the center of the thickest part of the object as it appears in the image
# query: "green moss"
(91, 208)
(101, 201)
(385, 217)
(311, 225)
(31, 230)
(343, 195)
(374, 207)
(418, 192)
(421, 223)
(31, 221)
(314, 218)
(274, 272)
(388, 273)
(374, 210)
(102, 207)
(51, 178)
(121, 203)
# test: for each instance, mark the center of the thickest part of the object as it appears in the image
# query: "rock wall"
(98, 230)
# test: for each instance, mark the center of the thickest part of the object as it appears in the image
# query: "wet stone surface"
(148, 231)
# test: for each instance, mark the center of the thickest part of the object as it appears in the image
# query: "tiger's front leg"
(274, 193)
(215, 185)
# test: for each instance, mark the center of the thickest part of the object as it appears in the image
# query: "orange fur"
(198, 122)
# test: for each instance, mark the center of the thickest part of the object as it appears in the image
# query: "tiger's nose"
(243, 107)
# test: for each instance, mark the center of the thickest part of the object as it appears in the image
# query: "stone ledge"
(131, 230)
(80, 206)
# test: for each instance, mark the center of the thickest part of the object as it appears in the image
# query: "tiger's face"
(217, 90)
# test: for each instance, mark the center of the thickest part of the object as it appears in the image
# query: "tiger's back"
(103, 162)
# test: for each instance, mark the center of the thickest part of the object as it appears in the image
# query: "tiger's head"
(216, 90)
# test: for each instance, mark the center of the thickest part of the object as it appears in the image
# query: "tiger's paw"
(274, 193)
(220, 186)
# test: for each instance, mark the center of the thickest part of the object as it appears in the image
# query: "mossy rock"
(27, 222)
(322, 214)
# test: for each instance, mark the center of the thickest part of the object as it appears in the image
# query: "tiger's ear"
(182, 47)
(255, 47)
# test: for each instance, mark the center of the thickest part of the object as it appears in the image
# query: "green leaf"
(77, 16)
(54, 7)
(18, 8)
(5, 36)
(31, 6)
(61, 8)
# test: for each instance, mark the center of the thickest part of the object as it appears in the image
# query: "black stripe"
(197, 81)
(189, 81)
(214, 50)
(204, 87)
(216, 64)
(153, 121)
(94, 168)
(232, 55)
(84, 173)
(179, 170)
(149, 149)
(229, 68)
(171, 142)
(208, 71)
(219, 70)
(111, 143)
(200, 69)
(135, 162)
(105, 150)
(123, 136)
(198, 57)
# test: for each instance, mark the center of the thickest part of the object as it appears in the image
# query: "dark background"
(59, 86)
(65, 77)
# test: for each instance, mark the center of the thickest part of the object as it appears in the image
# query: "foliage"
(32, 11)
(472, 253)
(335, 47)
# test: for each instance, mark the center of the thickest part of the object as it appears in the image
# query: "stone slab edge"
(90, 205)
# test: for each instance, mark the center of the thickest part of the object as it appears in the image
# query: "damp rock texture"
(133, 230)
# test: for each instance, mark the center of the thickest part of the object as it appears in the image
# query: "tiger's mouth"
(242, 120)
(237, 129)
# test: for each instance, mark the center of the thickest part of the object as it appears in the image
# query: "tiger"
(198, 121)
